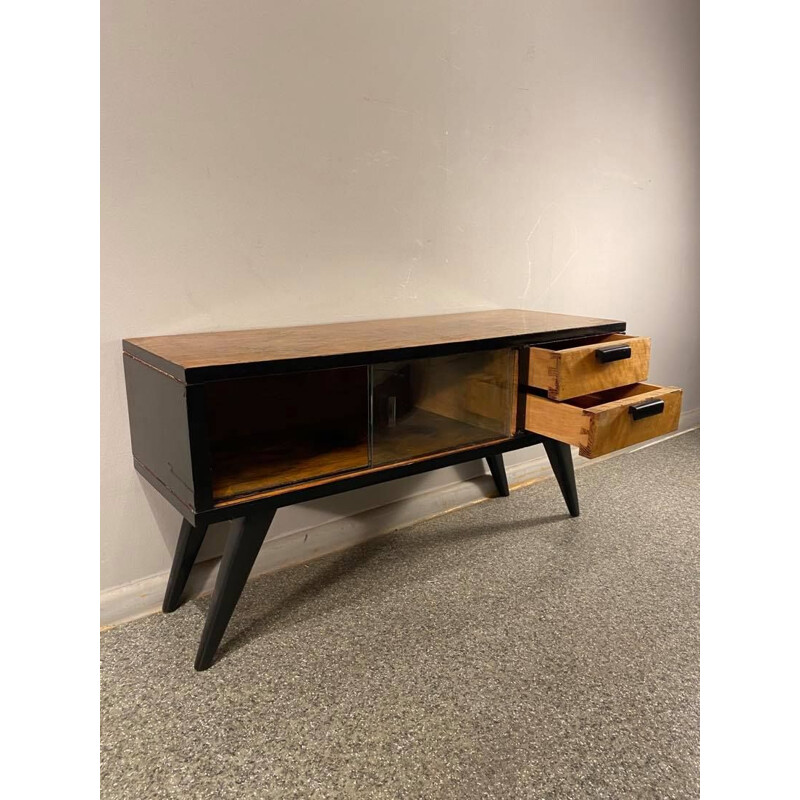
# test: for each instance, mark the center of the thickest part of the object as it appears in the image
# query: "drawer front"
(603, 362)
(606, 421)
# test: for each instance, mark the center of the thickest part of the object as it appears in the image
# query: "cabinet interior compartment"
(277, 430)
(429, 405)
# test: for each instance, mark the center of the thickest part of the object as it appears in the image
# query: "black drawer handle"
(647, 409)
(614, 352)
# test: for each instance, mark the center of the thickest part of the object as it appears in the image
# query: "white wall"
(279, 163)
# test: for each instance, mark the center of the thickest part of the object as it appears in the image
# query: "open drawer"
(578, 367)
(605, 421)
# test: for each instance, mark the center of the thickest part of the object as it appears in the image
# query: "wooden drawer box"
(605, 421)
(571, 369)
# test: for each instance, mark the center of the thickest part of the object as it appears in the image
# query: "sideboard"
(236, 424)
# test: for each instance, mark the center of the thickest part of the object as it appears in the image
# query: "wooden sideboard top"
(196, 357)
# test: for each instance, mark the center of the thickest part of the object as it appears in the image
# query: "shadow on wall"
(337, 507)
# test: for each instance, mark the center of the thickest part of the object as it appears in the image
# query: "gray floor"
(501, 651)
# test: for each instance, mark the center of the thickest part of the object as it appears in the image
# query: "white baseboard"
(137, 599)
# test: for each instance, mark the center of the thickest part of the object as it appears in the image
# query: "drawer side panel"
(564, 423)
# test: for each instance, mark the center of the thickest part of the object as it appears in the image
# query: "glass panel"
(284, 429)
(427, 405)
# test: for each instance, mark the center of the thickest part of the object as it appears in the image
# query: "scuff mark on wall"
(388, 105)
(530, 257)
(553, 235)
(624, 177)
(554, 280)
(449, 63)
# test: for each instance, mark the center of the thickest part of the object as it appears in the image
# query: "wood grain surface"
(195, 351)
(475, 388)
(567, 372)
(600, 423)
(422, 433)
(265, 462)
(376, 469)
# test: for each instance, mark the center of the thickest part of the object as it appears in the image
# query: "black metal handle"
(649, 408)
(614, 352)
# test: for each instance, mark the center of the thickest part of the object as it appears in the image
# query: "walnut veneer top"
(217, 354)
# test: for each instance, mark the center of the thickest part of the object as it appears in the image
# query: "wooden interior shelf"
(247, 466)
(421, 433)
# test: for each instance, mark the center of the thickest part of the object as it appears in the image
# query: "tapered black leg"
(189, 541)
(498, 470)
(240, 552)
(561, 461)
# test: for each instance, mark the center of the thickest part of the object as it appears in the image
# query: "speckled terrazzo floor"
(501, 651)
